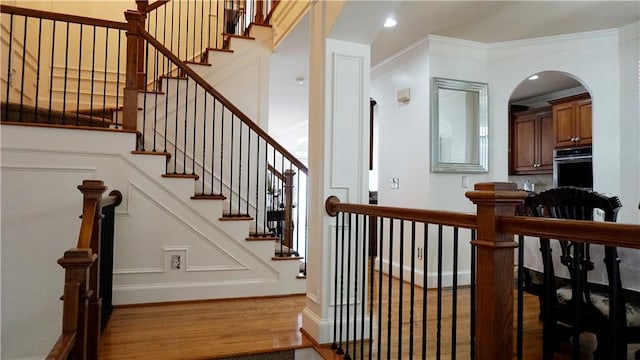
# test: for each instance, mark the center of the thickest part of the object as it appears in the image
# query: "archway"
(549, 114)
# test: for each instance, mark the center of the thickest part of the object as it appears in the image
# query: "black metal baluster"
(425, 277)
(340, 350)
(179, 28)
(380, 255)
(185, 121)
(266, 185)
(202, 49)
(400, 289)
(454, 295)
(79, 77)
(38, 67)
(439, 297)
(413, 285)
(347, 356)
(165, 86)
(195, 123)
(355, 284)
(239, 167)
(186, 36)
(222, 149)
(334, 345)
(371, 286)
(232, 138)
(9, 56)
(24, 61)
(213, 143)
(365, 247)
(66, 72)
(249, 170)
(472, 322)
(53, 50)
(577, 298)
(93, 71)
(204, 144)
(520, 296)
(118, 78)
(175, 134)
(258, 184)
(165, 71)
(390, 290)
(104, 86)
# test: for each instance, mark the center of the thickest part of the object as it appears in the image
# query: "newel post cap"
(496, 192)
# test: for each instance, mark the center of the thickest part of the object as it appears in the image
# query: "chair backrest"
(579, 204)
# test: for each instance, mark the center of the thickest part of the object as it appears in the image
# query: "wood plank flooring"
(204, 330)
(223, 328)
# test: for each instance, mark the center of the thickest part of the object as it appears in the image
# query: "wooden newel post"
(134, 60)
(93, 190)
(76, 263)
(494, 276)
(288, 207)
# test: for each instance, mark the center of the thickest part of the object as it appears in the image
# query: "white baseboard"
(464, 276)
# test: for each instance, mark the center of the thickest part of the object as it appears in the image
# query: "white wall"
(606, 66)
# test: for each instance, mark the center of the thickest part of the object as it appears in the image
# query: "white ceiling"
(482, 21)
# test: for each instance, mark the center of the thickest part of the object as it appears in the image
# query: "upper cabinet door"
(583, 123)
(572, 121)
(564, 119)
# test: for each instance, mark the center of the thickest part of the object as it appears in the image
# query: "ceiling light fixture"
(390, 22)
(533, 77)
(300, 80)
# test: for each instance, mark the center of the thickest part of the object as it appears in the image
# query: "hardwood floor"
(223, 328)
(204, 330)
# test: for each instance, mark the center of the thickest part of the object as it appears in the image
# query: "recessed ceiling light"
(390, 22)
(533, 77)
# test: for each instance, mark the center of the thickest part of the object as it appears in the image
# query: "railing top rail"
(603, 233)
(224, 101)
(149, 8)
(449, 218)
(7, 9)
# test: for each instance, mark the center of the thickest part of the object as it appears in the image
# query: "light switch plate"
(465, 181)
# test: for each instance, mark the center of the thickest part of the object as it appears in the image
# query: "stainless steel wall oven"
(573, 167)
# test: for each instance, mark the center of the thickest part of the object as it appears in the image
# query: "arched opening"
(550, 132)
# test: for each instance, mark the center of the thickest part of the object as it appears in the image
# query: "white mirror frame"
(482, 165)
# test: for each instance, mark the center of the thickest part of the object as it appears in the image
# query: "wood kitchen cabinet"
(572, 121)
(532, 142)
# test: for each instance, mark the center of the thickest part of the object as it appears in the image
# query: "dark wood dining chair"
(612, 314)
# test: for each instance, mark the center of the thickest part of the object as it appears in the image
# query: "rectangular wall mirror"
(459, 126)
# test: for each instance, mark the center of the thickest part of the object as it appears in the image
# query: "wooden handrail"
(450, 218)
(7, 9)
(155, 5)
(602, 233)
(277, 173)
(223, 100)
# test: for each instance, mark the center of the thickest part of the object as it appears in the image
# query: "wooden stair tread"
(146, 152)
(222, 50)
(185, 176)
(208, 197)
(238, 36)
(262, 238)
(235, 217)
(192, 62)
(287, 257)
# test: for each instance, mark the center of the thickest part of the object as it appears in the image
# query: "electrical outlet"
(395, 183)
(175, 261)
(420, 253)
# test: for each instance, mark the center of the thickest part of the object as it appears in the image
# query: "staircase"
(197, 173)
